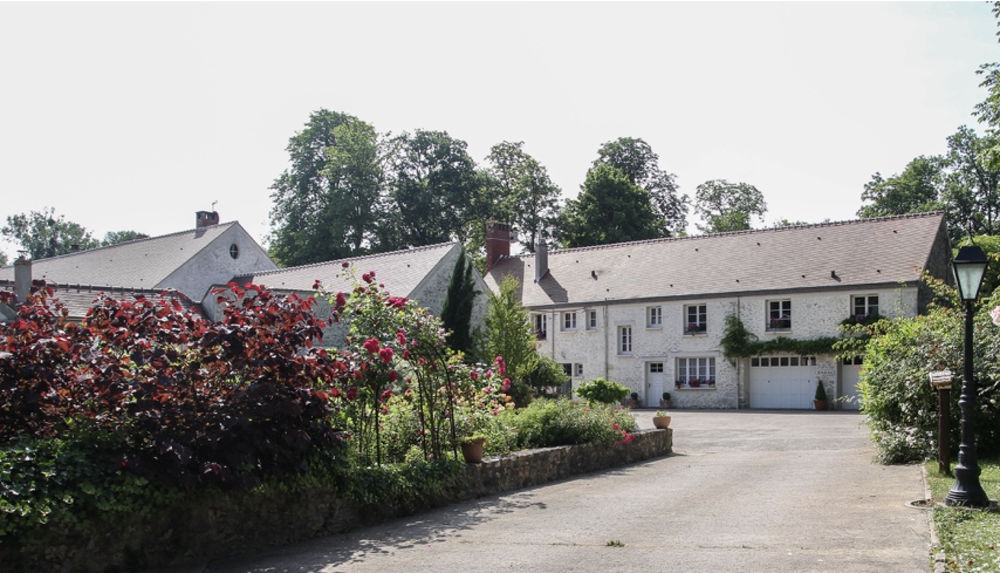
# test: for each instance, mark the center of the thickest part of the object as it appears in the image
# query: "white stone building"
(651, 314)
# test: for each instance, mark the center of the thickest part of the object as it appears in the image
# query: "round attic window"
(234, 251)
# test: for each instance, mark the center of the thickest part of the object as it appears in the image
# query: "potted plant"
(819, 400)
(472, 448)
(694, 382)
(661, 420)
(633, 401)
(678, 384)
(665, 400)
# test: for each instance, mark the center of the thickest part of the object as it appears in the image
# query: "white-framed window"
(624, 340)
(654, 316)
(655, 367)
(578, 369)
(569, 320)
(591, 320)
(695, 372)
(695, 319)
(567, 368)
(541, 326)
(779, 315)
(864, 307)
(782, 361)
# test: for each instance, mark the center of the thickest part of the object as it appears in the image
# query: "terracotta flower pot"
(661, 422)
(473, 451)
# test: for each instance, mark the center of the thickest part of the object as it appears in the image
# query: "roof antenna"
(214, 203)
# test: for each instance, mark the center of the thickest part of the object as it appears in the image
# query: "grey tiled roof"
(140, 264)
(400, 271)
(864, 252)
(78, 299)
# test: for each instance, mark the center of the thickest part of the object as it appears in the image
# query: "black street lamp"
(969, 267)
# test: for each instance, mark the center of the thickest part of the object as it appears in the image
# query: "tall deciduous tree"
(917, 189)
(636, 159)
(521, 191)
(609, 209)
(988, 110)
(456, 314)
(725, 206)
(45, 235)
(435, 188)
(972, 187)
(326, 204)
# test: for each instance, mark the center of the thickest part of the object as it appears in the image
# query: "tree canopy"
(456, 314)
(522, 192)
(725, 206)
(44, 234)
(116, 237)
(641, 166)
(326, 202)
(609, 209)
(917, 189)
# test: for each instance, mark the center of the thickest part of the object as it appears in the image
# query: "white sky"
(135, 115)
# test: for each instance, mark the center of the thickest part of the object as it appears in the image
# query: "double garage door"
(784, 382)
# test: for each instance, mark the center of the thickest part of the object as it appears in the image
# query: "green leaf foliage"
(601, 391)
(45, 235)
(559, 422)
(901, 406)
(738, 342)
(725, 206)
(609, 209)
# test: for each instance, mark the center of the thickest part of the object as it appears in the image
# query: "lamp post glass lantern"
(969, 267)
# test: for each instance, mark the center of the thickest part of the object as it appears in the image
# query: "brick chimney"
(22, 279)
(498, 237)
(206, 219)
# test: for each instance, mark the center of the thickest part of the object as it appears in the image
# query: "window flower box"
(695, 328)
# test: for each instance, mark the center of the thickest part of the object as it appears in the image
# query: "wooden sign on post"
(941, 379)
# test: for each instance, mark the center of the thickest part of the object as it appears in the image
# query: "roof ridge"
(734, 233)
(106, 288)
(351, 259)
(105, 247)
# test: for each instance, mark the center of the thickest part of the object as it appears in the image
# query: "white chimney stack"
(541, 257)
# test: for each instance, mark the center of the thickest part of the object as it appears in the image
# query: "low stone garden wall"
(535, 467)
(224, 525)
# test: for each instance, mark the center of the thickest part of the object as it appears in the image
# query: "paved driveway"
(744, 491)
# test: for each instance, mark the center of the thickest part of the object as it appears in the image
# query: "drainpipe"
(607, 333)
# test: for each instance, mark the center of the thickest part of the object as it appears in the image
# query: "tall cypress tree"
(457, 312)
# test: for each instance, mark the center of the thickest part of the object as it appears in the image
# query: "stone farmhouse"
(651, 314)
(191, 264)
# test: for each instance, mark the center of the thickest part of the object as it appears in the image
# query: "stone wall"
(535, 467)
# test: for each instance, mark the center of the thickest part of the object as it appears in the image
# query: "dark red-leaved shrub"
(190, 400)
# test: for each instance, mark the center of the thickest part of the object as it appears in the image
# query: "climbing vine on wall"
(738, 342)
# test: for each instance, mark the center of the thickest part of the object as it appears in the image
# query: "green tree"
(435, 188)
(988, 110)
(641, 166)
(456, 314)
(507, 330)
(116, 237)
(725, 206)
(45, 235)
(609, 209)
(916, 190)
(972, 185)
(522, 192)
(327, 203)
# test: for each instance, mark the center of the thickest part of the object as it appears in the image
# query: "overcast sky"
(136, 115)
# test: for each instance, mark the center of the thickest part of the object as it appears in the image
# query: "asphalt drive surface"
(743, 491)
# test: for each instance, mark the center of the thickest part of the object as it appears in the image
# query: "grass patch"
(969, 538)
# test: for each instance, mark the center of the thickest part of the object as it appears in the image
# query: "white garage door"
(785, 382)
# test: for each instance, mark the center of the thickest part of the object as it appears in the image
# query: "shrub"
(901, 406)
(188, 401)
(602, 391)
(559, 422)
